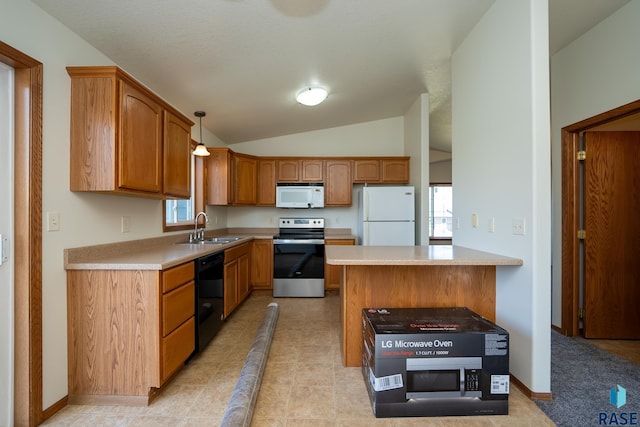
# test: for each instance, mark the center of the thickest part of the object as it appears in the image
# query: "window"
(179, 214)
(440, 211)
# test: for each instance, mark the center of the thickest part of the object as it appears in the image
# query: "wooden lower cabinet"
(236, 276)
(128, 332)
(262, 264)
(332, 272)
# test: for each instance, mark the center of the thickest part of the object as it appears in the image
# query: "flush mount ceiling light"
(200, 150)
(311, 96)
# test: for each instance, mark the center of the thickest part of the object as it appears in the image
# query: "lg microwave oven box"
(434, 362)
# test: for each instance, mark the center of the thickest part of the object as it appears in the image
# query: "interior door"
(612, 243)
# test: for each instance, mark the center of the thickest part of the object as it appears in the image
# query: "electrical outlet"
(125, 223)
(492, 225)
(53, 221)
(518, 226)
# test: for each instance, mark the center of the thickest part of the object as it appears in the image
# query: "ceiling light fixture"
(200, 150)
(311, 96)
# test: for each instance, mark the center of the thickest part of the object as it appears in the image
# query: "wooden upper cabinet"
(312, 170)
(266, 182)
(177, 156)
(288, 171)
(218, 181)
(119, 136)
(395, 170)
(241, 179)
(338, 187)
(381, 170)
(231, 178)
(366, 170)
(245, 179)
(300, 170)
(140, 145)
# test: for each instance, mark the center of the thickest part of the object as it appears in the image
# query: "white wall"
(377, 138)
(501, 169)
(85, 219)
(416, 145)
(594, 74)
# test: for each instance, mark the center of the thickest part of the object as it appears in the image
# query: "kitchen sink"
(222, 240)
(213, 241)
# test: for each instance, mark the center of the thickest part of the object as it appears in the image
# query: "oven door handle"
(298, 241)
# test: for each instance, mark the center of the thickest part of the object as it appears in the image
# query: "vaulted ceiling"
(243, 61)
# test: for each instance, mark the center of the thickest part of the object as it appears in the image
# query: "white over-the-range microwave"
(300, 195)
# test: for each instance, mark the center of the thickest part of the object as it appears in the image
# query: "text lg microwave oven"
(300, 195)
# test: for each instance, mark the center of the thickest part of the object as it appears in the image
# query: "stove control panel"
(301, 222)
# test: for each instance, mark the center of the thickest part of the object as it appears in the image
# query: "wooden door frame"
(571, 212)
(27, 389)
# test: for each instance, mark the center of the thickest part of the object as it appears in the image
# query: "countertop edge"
(415, 256)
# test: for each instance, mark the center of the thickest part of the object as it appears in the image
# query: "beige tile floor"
(304, 383)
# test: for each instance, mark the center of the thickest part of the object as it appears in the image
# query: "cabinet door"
(332, 272)
(338, 189)
(311, 170)
(140, 142)
(266, 182)
(245, 179)
(262, 264)
(395, 170)
(288, 171)
(230, 287)
(366, 170)
(177, 157)
(243, 276)
(177, 347)
(218, 171)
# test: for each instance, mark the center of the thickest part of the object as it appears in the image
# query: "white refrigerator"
(386, 216)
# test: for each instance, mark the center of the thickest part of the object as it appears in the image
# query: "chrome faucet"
(198, 234)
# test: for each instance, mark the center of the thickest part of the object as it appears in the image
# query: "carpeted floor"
(582, 376)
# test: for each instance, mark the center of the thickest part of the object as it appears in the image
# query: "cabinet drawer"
(235, 252)
(177, 346)
(177, 306)
(177, 276)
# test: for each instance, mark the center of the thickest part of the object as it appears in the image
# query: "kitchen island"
(411, 276)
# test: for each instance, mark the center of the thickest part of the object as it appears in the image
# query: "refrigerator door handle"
(365, 194)
(366, 234)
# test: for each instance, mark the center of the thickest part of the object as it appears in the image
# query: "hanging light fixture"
(311, 96)
(200, 150)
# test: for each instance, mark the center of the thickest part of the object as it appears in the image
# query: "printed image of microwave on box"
(434, 362)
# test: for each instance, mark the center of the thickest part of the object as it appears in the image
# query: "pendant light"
(200, 150)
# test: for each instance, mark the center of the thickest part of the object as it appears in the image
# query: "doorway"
(6, 239)
(626, 117)
(27, 232)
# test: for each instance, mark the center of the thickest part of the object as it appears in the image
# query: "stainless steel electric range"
(298, 258)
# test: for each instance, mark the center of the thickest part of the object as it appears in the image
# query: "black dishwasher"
(209, 273)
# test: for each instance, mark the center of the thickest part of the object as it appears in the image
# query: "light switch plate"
(53, 221)
(474, 220)
(4, 249)
(125, 224)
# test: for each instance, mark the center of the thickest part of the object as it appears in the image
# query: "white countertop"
(414, 255)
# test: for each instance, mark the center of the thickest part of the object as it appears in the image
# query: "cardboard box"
(434, 362)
